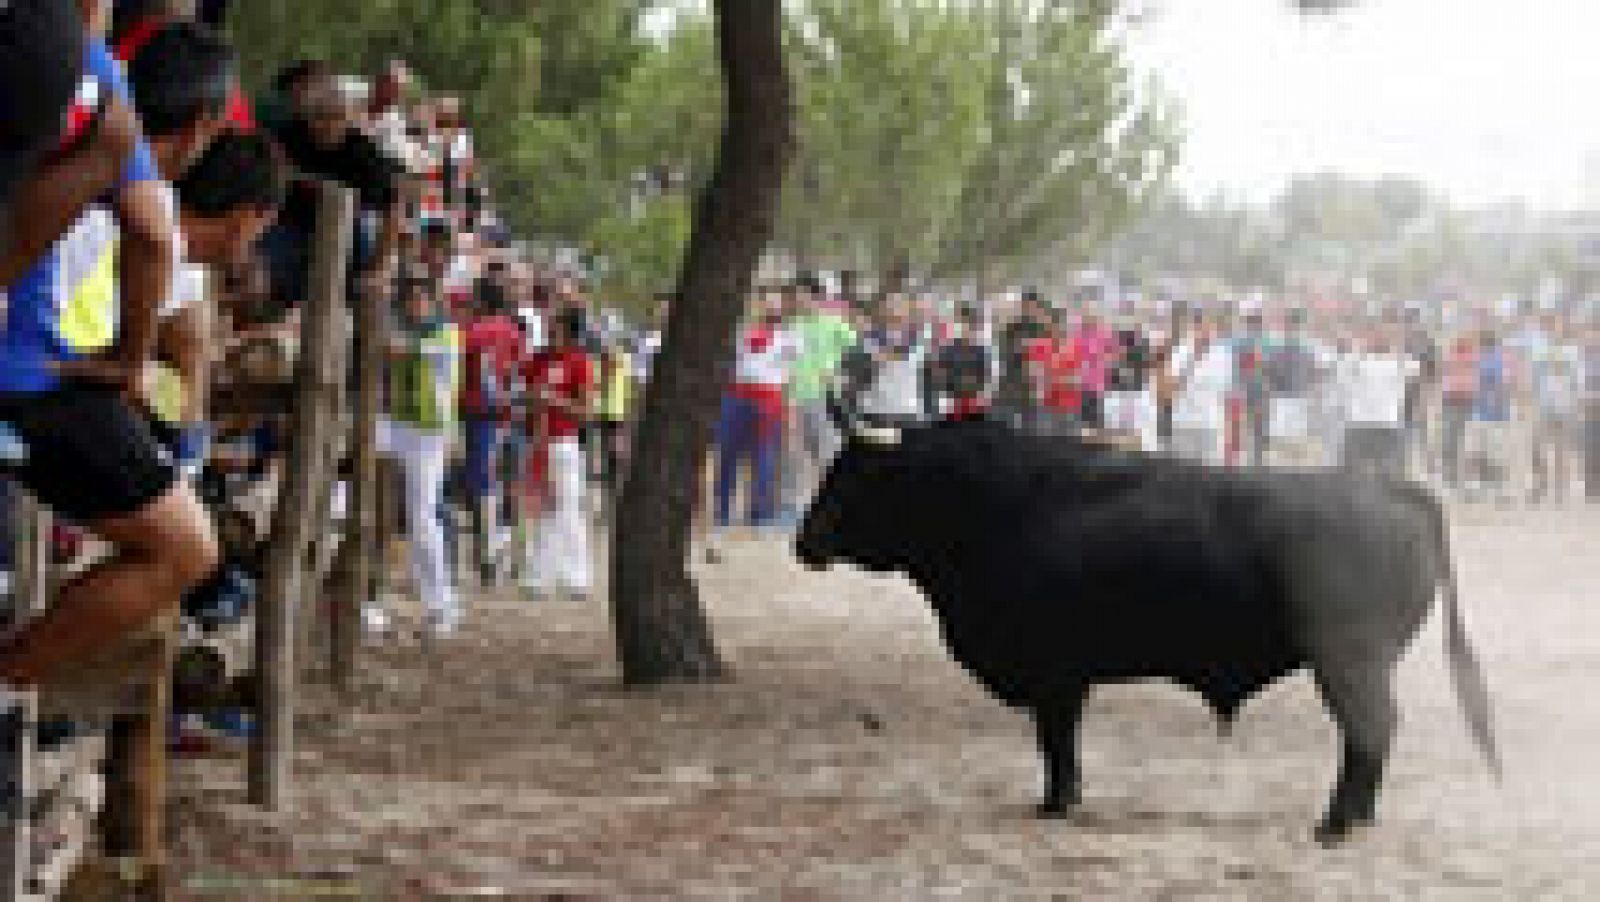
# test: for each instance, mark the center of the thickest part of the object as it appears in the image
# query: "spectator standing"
(614, 407)
(1094, 347)
(1377, 377)
(1420, 346)
(822, 336)
(1458, 389)
(897, 352)
(424, 390)
(1015, 398)
(961, 373)
(1129, 400)
(750, 428)
(1488, 438)
(1056, 363)
(491, 349)
(1555, 396)
(1292, 375)
(1201, 373)
(1252, 349)
(560, 383)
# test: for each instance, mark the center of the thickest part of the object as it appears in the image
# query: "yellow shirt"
(616, 396)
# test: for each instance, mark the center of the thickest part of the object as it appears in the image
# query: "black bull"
(1054, 566)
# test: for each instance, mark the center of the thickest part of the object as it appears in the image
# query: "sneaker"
(442, 626)
(375, 619)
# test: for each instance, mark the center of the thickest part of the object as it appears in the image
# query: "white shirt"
(770, 365)
(1201, 398)
(533, 329)
(1375, 388)
(896, 389)
(93, 240)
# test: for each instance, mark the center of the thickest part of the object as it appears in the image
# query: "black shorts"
(89, 455)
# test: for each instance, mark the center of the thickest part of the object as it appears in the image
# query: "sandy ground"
(850, 759)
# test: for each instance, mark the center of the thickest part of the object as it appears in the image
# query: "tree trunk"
(662, 632)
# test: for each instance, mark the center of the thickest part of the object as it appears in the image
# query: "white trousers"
(1199, 444)
(422, 454)
(1134, 413)
(561, 557)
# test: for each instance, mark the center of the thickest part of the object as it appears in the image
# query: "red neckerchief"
(759, 338)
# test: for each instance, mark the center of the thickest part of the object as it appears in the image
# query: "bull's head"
(858, 514)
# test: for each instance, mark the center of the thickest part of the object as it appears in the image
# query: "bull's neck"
(941, 533)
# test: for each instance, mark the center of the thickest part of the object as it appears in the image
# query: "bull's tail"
(1472, 690)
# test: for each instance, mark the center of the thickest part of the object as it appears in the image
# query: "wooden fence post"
(359, 557)
(320, 373)
(30, 529)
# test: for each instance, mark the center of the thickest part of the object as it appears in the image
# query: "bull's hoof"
(1334, 832)
(1056, 809)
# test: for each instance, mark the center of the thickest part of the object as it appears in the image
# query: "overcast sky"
(1485, 99)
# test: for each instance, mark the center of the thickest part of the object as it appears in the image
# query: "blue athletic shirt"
(30, 335)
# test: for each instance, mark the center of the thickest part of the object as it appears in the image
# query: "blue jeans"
(486, 442)
(742, 438)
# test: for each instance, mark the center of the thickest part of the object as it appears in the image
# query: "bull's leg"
(1056, 719)
(1361, 700)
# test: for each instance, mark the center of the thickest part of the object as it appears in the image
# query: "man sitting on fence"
(90, 455)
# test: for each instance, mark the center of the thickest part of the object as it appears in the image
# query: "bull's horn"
(887, 436)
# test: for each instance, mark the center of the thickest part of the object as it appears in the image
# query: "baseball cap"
(41, 61)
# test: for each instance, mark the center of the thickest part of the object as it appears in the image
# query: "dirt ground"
(850, 759)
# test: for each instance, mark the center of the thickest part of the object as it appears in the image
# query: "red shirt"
(1060, 367)
(565, 372)
(491, 346)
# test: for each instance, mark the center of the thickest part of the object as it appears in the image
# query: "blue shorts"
(486, 444)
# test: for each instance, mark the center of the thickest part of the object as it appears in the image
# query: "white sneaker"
(375, 619)
(441, 626)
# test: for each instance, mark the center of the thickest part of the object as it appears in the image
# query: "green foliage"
(937, 138)
(1070, 149)
(965, 140)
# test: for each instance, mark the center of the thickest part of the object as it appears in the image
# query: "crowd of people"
(1492, 404)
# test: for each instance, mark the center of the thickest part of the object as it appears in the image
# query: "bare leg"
(162, 552)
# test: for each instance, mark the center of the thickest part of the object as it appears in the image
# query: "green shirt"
(824, 339)
(425, 382)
